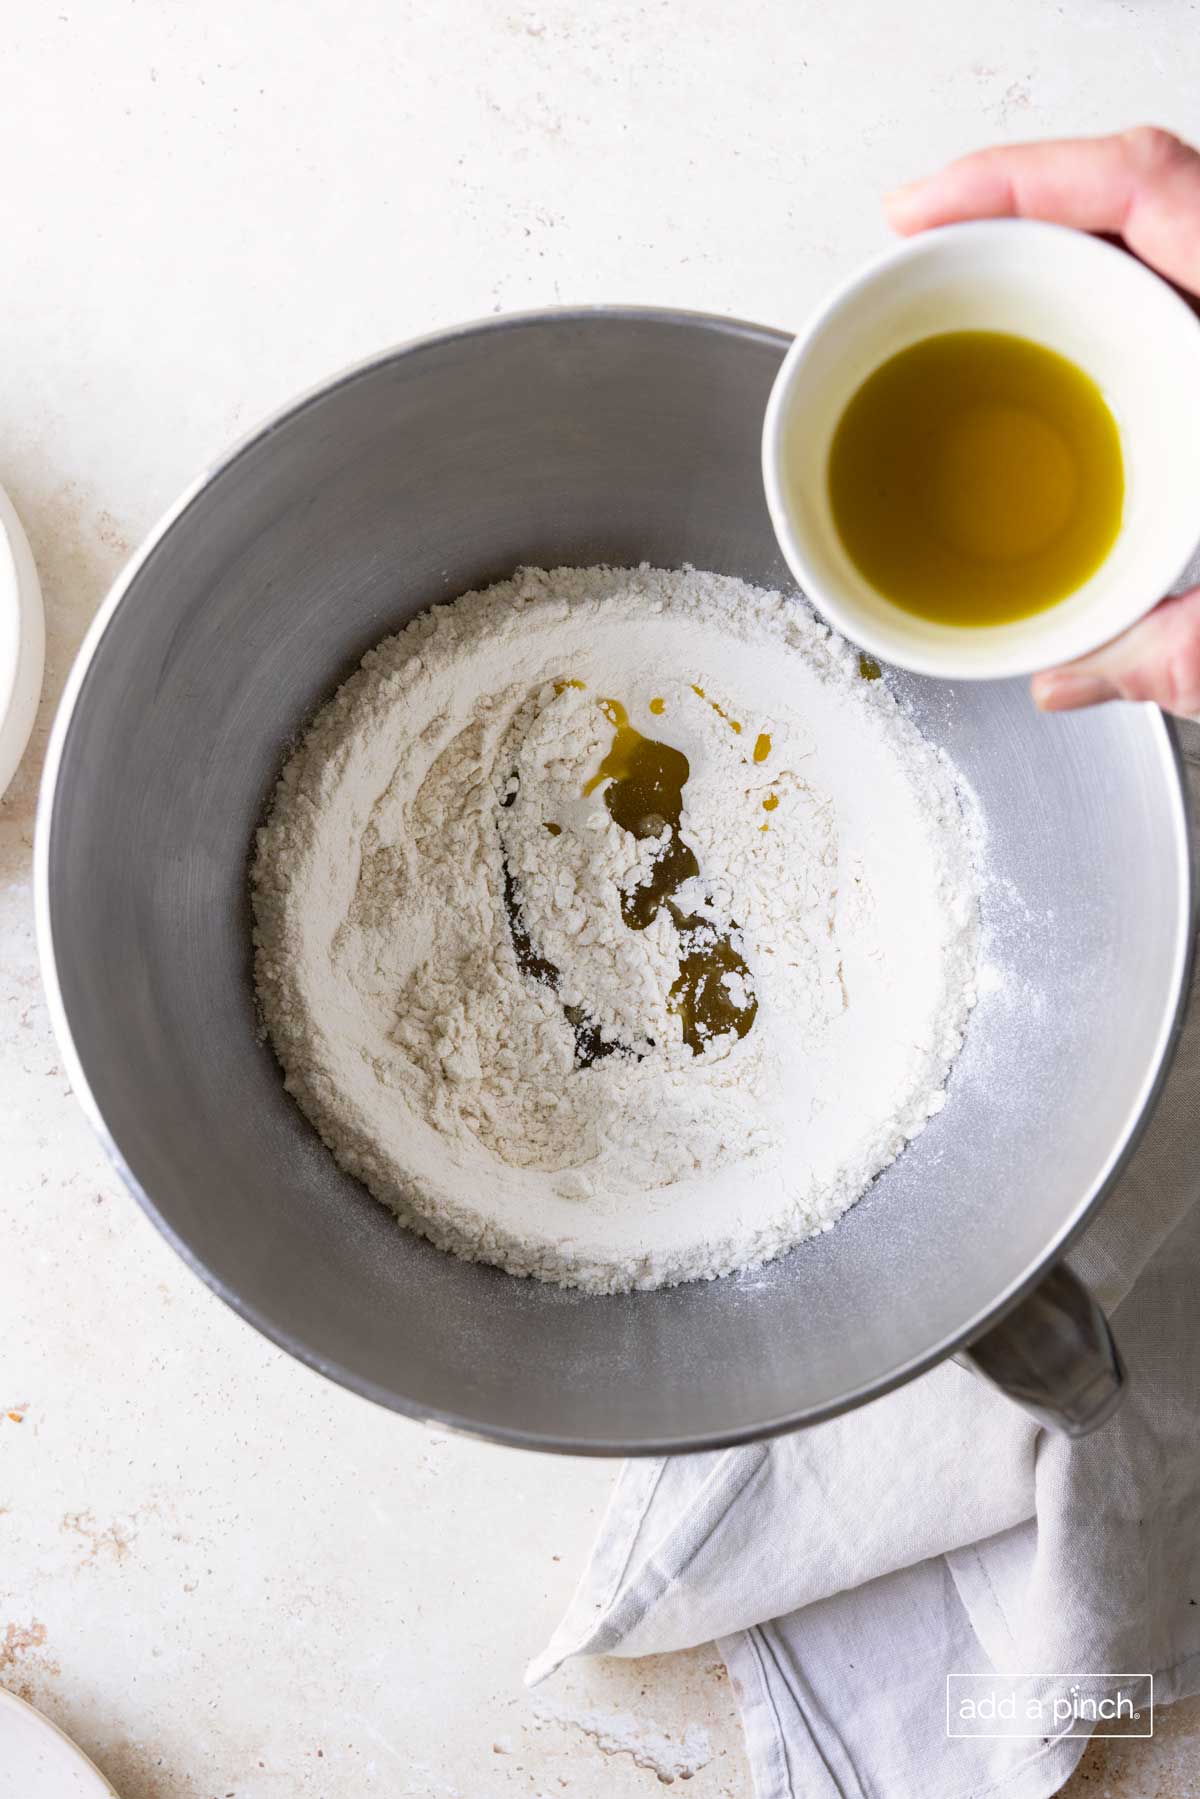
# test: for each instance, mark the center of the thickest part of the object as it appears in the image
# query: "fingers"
(1158, 659)
(1143, 184)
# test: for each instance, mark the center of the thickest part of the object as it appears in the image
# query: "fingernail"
(1059, 689)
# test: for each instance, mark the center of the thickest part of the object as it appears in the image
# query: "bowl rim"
(22, 641)
(1163, 735)
(99, 1786)
(952, 660)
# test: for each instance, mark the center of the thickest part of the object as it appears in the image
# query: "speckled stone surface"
(1166, 1767)
(221, 1574)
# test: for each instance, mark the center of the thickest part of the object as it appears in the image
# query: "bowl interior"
(1073, 293)
(566, 439)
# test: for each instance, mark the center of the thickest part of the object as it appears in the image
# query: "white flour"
(648, 1746)
(437, 969)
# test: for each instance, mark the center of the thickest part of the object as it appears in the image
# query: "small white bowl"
(22, 641)
(39, 1761)
(1075, 294)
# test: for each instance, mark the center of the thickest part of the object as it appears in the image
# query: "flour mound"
(463, 1012)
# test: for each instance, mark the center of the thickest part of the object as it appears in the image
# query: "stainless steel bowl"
(575, 437)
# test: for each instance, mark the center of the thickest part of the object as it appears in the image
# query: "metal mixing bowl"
(573, 437)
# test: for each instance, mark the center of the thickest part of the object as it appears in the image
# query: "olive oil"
(644, 783)
(976, 478)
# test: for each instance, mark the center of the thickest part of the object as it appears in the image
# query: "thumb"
(1157, 659)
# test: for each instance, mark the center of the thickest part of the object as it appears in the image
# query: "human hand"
(1143, 185)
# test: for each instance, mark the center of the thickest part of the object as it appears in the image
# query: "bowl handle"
(1055, 1355)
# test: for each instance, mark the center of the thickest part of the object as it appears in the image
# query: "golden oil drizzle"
(644, 795)
(733, 723)
(617, 765)
(658, 706)
(762, 746)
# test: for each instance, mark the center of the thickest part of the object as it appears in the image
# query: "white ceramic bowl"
(1076, 294)
(39, 1761)
(22, 641)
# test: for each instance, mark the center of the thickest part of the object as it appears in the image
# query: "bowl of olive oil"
(982, 456)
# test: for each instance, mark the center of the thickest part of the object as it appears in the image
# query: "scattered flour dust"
(462, 1010)
(620, 1733)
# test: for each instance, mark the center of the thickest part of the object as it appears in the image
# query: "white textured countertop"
(221, 1574)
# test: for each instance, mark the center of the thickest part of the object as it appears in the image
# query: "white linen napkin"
(845, 1571)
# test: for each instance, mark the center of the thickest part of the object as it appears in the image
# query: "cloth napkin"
(845, 1571)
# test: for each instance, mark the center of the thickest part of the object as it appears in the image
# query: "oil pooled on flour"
(643, 790)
